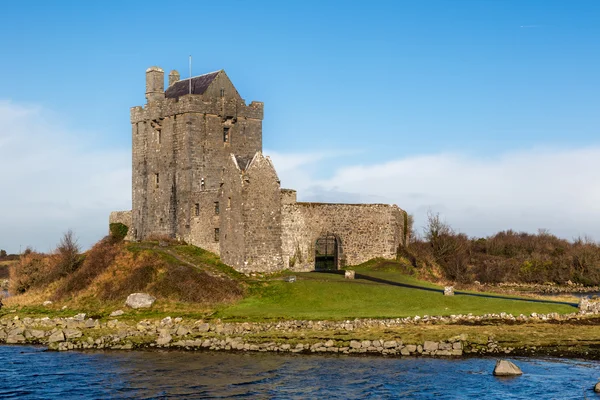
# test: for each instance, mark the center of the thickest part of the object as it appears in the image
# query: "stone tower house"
(199, 175)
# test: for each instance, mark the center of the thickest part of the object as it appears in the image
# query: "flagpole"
(190, 75)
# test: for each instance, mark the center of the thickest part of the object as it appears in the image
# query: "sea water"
(28, 372)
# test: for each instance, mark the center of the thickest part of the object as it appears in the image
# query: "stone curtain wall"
(122, 217)
(365, 231)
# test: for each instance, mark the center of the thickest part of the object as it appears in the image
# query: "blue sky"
(486, 95)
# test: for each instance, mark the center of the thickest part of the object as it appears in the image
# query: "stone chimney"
(155, 84)
(173, 77)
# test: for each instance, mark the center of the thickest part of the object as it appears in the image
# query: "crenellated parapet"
(223, 107)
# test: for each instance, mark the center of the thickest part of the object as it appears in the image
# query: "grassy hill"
(192, 282)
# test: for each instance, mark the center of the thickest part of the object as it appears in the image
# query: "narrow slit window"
(202, 184)
(226, 134)
(222, 92)
(156, 180)
(217, 208)
(197, 209)
(158, 136)
(217, 234)
(229, 202)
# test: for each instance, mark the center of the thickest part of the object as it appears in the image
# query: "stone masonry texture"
(199, 175)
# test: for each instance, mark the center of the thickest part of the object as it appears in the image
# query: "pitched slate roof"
(199, 85)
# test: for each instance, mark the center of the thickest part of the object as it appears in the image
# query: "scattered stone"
(587, 305)
(430, 346)
(47, 303)
(79, 317)
(182, 331)
(57, 336)
(64, 308)
(506, 368)
(13, 339)
(72, 333)
(164, 338)
(449, 291)
(117, 313)
(140, 300)
(291, 278)
(349, 274)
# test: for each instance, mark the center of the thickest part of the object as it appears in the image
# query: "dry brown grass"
(97, 260)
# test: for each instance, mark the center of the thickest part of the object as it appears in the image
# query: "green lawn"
(328, 296)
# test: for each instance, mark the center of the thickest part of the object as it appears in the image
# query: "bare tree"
(68, 251)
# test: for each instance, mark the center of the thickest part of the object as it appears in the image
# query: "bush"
(28, 272)
(118, 231)
(507, 256)
(97, 260)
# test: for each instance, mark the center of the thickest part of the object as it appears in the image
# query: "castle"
(199, 175)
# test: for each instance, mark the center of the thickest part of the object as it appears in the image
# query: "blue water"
(31, 373)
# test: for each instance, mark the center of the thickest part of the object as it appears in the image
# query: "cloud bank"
(549, 188)
(53, 179)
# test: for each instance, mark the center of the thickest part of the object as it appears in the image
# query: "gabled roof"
(243, 162)
(199, 85)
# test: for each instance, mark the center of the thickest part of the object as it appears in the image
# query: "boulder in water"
(597, 387)
(140, 300)
(506, 368)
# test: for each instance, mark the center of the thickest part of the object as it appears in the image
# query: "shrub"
(28, 272)
(97, 260)
(118, 231)
(68, 258)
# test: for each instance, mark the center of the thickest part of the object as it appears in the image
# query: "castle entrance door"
(326, 253)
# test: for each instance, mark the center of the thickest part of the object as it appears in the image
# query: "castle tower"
(183, 139)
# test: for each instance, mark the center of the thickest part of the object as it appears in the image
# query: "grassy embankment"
(193, 283)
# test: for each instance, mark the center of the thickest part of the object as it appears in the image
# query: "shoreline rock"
(78, 333)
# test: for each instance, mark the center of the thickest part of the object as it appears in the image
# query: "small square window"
(217, 208)
(197, 209)
(226, 134)
(217, 234)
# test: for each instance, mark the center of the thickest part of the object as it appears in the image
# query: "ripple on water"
(30, 372)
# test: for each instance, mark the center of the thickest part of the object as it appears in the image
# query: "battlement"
(168, 107)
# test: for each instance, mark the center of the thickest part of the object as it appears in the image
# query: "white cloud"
(556, 189)
(54, 179)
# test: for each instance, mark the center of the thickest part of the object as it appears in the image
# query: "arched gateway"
(327, 253)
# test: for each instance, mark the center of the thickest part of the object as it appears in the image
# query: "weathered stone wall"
(262, 216)
(179, 153)
(251, 219)
(199, 175)
(232, 242)
(122, 217)
(363, 231)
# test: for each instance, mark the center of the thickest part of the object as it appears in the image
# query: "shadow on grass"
(456, 292)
